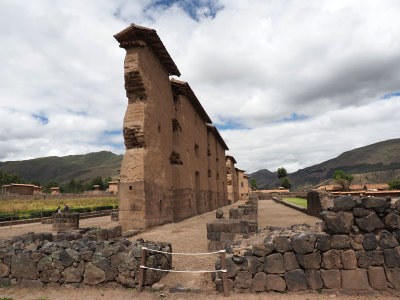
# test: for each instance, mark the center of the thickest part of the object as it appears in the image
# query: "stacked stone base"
(65, 221)
(221, 231)
(359, 251)
(79, 258)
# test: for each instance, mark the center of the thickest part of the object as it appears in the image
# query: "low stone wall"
(318, 201)
(247, 211)
(221, 231)
(78, 258)
(242, 220)
(291, 205)
(356, 248)
(114, 216)
(102, 194)
(65, 221)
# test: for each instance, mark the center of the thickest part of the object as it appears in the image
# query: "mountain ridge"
(374, 163)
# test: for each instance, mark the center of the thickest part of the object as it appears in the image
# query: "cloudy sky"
(288, 83)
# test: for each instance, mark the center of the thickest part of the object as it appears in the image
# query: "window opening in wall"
(159, 128)
(242, 184)
(197, 179)
(160, 206)
(217, 175)
(176, 126)
(209, 173)
(190, 203)
(130, 188)
(196, 150)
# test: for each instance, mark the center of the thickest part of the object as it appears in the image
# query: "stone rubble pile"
(88, 256)
(357, 249)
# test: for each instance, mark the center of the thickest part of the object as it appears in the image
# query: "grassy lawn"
(298, 201)
(23, 209)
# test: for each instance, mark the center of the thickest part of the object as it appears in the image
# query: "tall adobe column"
(145, 188)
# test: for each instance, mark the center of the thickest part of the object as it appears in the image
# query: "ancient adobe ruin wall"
(79, 258)
(359, 250)
(173, 167)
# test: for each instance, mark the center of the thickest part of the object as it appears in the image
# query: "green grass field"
(298, 201)
(25, 209)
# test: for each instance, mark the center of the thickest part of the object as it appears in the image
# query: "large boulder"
(93, 275)
(275, 283)
(274, 264)
(370, 242)
(23, 267)
(387, 240)
(331, 259)
(343, 203)
(71, 275)
(369, 223)
(282, 244)
(349, 259)
(377, 204)
(338, 222)
(259, 282)
(377, 278)
(392, 221)
(368, 259)
(243, 280)
(4, 270)
(355, 280)
(304, 242)
(309, 261)
(290, 261)
(52, 275)
(296, 280)
(331, 279)
(313, 278)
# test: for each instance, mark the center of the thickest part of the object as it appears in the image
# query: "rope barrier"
(184, 271)
(177, 253)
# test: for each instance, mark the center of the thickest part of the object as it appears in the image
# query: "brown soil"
(187, 236)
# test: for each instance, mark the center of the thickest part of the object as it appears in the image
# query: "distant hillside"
(376, 163)
(80, 167)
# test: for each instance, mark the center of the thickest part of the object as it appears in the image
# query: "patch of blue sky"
(388, 96)
(294, 117)
(194, 8)
(113, 132)
(229, 124)
(41, 117)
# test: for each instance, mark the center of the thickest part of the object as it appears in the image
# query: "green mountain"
(63, 169)
(376, 163)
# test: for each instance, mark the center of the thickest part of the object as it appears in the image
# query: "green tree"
(282, 173)
(6, 178)
(343, 179)
(49, 185)
(394, 184)
(35, 182)
(253, 184)
(286, 183)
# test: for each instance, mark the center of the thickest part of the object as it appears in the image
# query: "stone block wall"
(220, 231)
(247, 211)
(64, 221)
(242, 220)
(355, 248)
(79, 258)
(318, 201)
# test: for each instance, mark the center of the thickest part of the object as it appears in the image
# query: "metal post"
(224, 279)
(142, 263)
